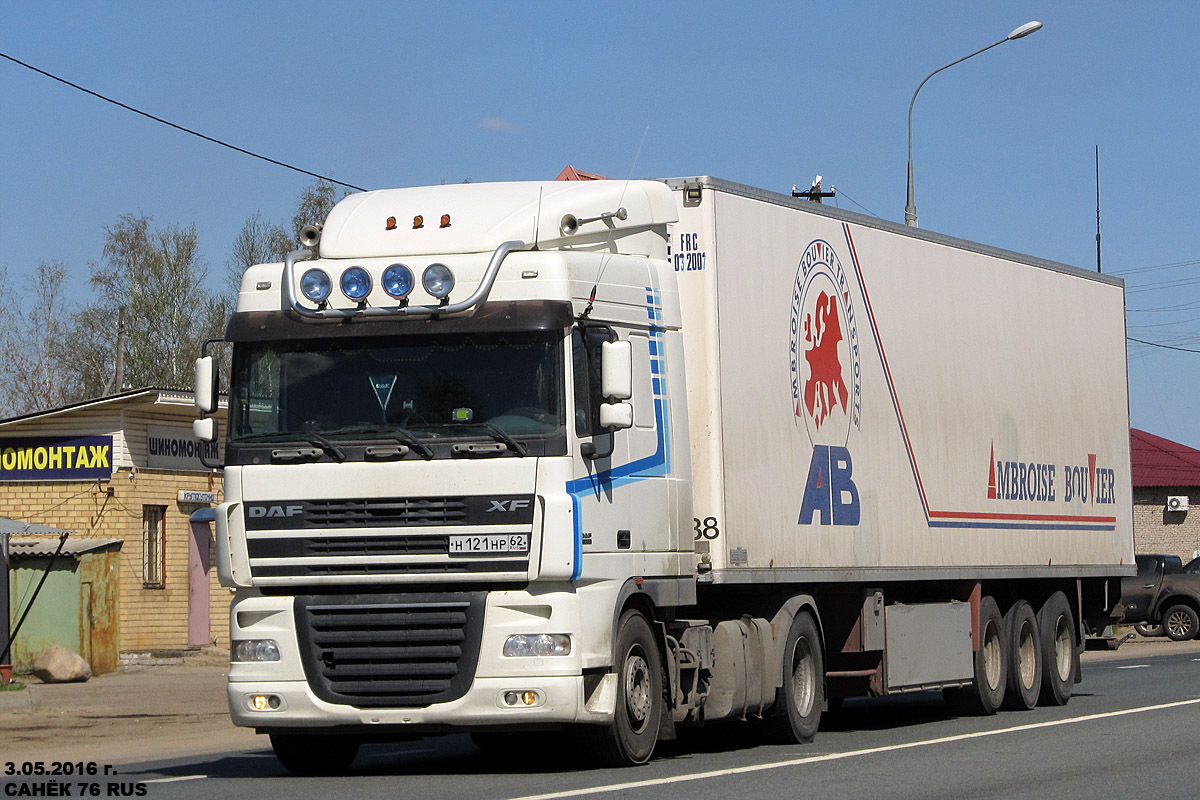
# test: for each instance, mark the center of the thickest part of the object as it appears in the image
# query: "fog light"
(264, 702)
(255, 650)
(538, 644)
(511, 698)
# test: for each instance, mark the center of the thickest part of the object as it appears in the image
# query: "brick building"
(1162, 470)
(126, 467)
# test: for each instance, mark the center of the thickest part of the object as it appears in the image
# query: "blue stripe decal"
(653, 466)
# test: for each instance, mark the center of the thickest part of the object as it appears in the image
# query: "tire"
(630, 739)
(1025, 658)
(1180, 623)
(796, 713)
(314, 754)
(1060, 657)
(985, 695)
(1146, 629)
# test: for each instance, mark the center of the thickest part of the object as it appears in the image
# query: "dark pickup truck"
(1164, 597)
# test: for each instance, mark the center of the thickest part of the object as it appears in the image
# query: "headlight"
(356, 283)
(397, 281)
(315, 285)
(255, 650)
(538, 644)
(438, 280)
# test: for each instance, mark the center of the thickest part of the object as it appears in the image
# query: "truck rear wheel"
(1060, 658)
(1025, 662)
(631, 737)
(796, 713)
(1180, 623)
(986, 693)
(314, 754)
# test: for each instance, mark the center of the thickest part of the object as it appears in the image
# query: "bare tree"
(159, 277)
(258, 242)
(37, 367)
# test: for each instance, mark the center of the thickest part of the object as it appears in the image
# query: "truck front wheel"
(631, 738)
(796, 713)
(314, 754)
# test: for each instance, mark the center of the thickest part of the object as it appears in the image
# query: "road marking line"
(795, 762)
(1135, 666)
(173, 780)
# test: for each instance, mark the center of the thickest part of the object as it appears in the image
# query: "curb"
(22, 702)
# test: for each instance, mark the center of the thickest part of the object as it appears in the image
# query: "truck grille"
(390, 650)
(390, 537)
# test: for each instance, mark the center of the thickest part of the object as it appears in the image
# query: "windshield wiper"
(398, 433)
(312, 437)
(501, 435)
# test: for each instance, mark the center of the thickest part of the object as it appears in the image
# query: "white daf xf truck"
(616, 457)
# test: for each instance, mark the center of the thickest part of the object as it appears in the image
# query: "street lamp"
(910, 210)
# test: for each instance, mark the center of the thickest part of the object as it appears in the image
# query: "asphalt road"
(1131, 730)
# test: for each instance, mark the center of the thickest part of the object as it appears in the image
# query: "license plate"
(464, 545)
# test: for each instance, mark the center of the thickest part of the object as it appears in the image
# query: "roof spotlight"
(397, 281)
(438, 280)
(315, 285)
(356, 283)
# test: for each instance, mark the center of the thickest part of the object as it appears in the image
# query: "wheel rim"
(991, 656)
(1178, 623)
(1027, 656)
(637, 689)
(804, 678)
(1062, 649)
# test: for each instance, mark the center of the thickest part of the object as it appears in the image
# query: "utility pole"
(120, 372)
(1098, 209)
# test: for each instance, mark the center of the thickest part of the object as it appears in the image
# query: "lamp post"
(910, 210)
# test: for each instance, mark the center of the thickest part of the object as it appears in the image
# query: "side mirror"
(616, 416)
(207, 385)
(616, 371)
(205, 429)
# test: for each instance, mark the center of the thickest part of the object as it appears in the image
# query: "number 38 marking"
(707, 529)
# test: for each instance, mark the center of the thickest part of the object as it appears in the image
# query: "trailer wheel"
(314, 754)
(1060, 658)
(986, 692)
(796, 713)
(631, 737)
(1180, 623)
(1025, 661)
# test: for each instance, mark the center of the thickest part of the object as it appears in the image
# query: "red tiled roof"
(1161, 462)
(569, 173)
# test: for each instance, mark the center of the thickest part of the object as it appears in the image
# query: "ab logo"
(826, 393)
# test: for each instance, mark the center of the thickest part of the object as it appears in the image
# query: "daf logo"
(258, 512)
(507, 505)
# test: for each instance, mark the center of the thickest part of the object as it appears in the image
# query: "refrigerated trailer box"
(868, 400)
(620, 456)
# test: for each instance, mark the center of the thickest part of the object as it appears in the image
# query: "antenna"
(537, 219)
(1098, 209)
(607, 256)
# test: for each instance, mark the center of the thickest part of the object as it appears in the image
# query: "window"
(585, 351)
(154, 540)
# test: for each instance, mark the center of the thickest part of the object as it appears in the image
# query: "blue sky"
(769, 94)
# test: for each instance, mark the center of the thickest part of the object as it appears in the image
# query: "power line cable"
(179, 127)
(1164, 346)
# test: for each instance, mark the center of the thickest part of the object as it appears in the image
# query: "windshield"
(422, 387)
